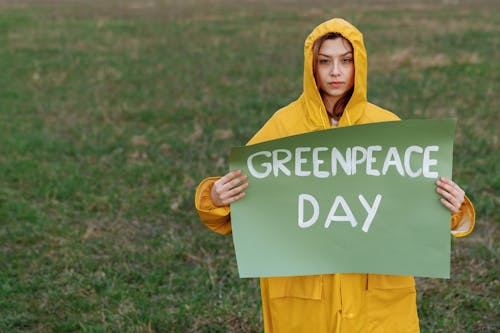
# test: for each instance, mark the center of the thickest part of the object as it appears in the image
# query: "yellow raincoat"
(335, 303)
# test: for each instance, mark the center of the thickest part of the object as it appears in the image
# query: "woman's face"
(335, 69)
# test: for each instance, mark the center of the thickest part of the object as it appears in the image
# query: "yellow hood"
(314, 107)
(308, 113)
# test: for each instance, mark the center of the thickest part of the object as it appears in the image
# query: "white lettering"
(417, 161)
(355, 160)
(315, 205)
(345, 163)
(266, 165)
(279, 164)
(393, 159)
(428, 162)
(371, 210)
(299, 161)
(348, 217)
(317, 162)
(370, 160)
(408, 152)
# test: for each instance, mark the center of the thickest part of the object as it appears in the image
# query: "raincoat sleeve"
(217, 219)
(463, 221)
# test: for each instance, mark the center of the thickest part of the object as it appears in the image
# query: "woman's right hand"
(229, 188)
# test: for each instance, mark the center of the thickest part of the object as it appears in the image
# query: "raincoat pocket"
(380, 281)
(305, 287)
(391, 304)
(296, 304)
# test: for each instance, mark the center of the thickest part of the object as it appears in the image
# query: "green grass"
(110, 114)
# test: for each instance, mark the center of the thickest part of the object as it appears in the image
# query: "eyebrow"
(341, 55)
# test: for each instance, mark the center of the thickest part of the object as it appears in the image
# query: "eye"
(324, 61)
(347, 60)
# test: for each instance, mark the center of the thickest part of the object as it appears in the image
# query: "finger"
(234, 194)
(237, 190)
(451, 194)
(219, 188)
(446, 193)
(227, 193)
(452, 188)
(449, 201)
(235, 182)
(452, 208)
(227, 181)
(222, 190)
(446, 185)
(228, 177)
(455, 201)
(235, 198)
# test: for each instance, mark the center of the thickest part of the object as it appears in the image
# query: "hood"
(314, 107)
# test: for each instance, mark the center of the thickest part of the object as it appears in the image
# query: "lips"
(335, 84)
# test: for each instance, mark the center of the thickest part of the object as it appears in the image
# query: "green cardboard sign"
(358, 199)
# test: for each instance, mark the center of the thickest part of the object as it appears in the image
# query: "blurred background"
(111, 112)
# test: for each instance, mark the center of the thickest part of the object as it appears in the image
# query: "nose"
(335, 70)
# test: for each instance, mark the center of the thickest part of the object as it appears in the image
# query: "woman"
(334, 95)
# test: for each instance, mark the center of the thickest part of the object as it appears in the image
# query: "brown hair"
(341, 104)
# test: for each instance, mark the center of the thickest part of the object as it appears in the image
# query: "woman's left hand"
(452, 196)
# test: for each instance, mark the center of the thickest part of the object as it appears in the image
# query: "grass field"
(111, 112)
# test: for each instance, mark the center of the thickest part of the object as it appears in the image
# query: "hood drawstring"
(325, 126)
(348, 118)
